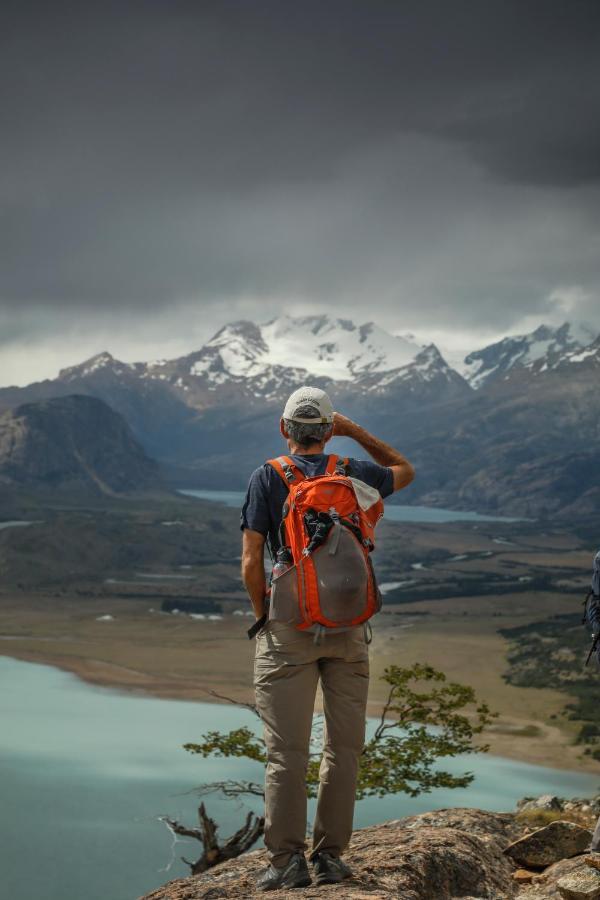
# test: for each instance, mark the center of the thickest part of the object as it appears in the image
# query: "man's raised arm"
(382, 453)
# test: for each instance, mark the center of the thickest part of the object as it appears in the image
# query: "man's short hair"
(303, 433)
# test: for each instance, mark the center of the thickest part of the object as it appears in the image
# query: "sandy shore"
(175, 657)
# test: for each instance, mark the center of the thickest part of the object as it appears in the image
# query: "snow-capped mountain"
(566, 361)
(522, 442)
(336, 349)
(266, 360)
(246, 365)
(101, 361)
(493, 362)
(428, 368)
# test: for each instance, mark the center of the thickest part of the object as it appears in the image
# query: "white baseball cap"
(309, 397)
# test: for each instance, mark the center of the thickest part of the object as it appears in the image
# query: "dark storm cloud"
(442, 152)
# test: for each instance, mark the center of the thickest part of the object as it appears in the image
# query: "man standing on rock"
(289, 662)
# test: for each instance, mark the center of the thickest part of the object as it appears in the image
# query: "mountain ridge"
(244, 349)
(522, 443)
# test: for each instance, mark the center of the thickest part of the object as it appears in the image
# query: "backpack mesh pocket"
(342, 576)
(283, 605)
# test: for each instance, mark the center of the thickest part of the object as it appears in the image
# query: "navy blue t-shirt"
(267, 493)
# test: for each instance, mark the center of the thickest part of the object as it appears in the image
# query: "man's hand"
(382, 453)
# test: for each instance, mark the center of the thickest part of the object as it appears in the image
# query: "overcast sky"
(166, 167)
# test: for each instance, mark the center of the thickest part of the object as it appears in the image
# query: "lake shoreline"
(505, 740)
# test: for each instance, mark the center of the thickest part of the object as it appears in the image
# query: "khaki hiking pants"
(287, 668)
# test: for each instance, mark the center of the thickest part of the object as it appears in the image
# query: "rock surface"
(546, 801)
(558, 840)
(442, 855)
(583, 884)
(439, 855)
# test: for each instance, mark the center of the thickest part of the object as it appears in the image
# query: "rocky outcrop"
(442, 855)
(445, 854)
(76, 443)
(582, 884)
(556, 841)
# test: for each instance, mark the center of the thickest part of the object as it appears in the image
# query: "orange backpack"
(326, 535)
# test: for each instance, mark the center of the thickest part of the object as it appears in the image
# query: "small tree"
(425, 718)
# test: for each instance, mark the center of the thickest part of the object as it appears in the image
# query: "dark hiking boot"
(330, 869)
(293, 875)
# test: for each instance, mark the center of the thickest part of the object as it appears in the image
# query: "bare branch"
(214, 853)
(250, 706)
(384, 712)
(230, 788)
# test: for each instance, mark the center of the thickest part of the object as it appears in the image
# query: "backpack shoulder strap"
(336, 464)
(285, 468)
(331, 464)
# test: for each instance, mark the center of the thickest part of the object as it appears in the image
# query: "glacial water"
(86, 772)
(394, 512)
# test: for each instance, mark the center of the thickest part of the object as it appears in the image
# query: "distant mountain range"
(544, 344)
(513, 429)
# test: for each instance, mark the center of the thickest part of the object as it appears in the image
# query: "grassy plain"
(448, 590)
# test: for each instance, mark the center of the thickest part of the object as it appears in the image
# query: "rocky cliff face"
(442, 855)
(73, 442)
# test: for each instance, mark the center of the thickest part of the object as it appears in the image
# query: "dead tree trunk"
(213, 853)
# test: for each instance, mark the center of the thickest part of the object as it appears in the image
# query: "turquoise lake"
(86, 772)
(394, 512)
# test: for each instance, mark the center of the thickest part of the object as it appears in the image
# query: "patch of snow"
(105, 618)
(388, 586)
(579, 357)
(19, 523)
